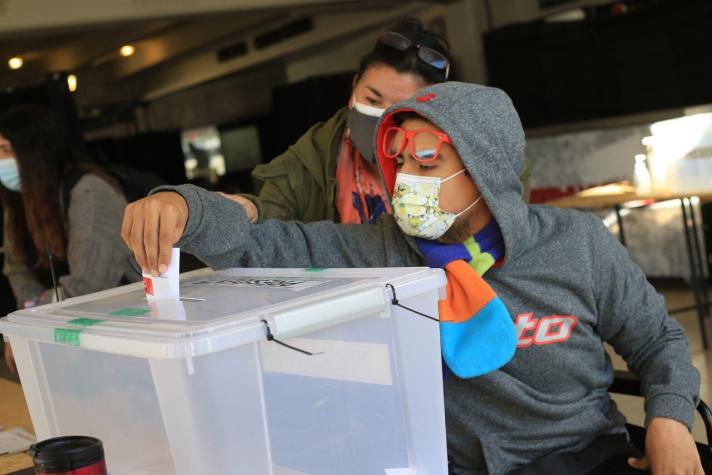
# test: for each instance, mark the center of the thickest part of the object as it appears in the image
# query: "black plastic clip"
(270, 337)
(394, 301)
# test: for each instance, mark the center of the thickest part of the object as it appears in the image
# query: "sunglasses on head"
(429, 56)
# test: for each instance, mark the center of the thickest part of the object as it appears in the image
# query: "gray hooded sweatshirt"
(567, 283)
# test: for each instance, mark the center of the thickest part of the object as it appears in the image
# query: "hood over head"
(486, 132)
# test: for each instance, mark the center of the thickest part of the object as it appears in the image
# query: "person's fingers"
(167, 237)
(640, 464)
(151, 223)
(126, 225)
(151, 226)
(136, 241)
(697, 469)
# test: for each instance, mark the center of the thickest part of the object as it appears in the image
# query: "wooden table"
(13, 413)
(619, 195)
(609, 196)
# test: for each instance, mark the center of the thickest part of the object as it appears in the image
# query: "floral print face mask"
(416, 206)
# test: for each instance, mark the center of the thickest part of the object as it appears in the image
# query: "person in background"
(60, 213)
(330, 173)
(551, 282)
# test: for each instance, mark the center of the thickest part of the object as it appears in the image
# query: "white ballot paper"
(167, 309)
(165, 286)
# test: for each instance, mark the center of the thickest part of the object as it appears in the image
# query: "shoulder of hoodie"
(313, 150)
(581, 225)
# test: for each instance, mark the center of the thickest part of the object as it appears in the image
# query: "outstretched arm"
(217, 230)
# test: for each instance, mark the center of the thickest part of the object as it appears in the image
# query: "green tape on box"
(314, 269)
(130, 312)
(67, 336)
(84, 322)
(70, 336)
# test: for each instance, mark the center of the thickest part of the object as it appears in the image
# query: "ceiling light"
(15, 62)
(72, 82)
(127, 50)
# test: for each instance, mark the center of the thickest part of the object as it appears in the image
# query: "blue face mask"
(10, 174)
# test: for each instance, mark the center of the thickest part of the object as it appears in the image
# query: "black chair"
(627, 383)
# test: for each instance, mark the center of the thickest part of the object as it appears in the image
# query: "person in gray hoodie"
(454, 154)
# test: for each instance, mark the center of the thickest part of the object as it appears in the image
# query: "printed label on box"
(270, 282)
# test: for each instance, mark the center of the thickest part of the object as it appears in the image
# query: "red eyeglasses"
(425, 144)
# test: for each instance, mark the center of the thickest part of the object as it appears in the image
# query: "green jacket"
(300, 184)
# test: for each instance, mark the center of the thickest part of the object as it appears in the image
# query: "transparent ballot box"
(253, 371)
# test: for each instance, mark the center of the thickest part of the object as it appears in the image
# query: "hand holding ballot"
(151, 226)
(154, 224)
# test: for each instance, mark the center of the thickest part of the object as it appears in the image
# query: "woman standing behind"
(330, 173)
(58, 211)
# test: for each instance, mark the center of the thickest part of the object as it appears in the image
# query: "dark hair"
(401, 117)
(408, 61)
(45, 157)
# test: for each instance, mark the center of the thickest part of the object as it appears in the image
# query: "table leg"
(619, 218)
(695, 256)
(701, 258)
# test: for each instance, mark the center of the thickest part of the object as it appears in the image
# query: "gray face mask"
(361, 121)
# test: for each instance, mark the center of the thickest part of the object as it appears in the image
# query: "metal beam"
(81, 49)
(328, 28)
(188, 37)
(32, 15)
